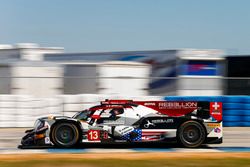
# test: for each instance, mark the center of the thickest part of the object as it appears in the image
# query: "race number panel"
(94, 135)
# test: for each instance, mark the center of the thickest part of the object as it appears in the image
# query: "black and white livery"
(191, 124)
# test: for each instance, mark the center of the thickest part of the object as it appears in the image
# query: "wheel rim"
(65, 135)
(191, 134)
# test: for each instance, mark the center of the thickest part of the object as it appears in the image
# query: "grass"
(168, 162)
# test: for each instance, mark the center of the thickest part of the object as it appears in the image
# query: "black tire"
(191, 134)
(65, 134)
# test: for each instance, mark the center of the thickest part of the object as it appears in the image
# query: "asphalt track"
(236, 139)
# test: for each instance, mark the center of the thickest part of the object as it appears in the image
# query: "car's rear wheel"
(191, 134)
(65, 134)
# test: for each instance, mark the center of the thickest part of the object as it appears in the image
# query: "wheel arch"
(76, 123)
(200, 122)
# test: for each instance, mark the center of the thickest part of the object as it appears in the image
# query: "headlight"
(38, 124)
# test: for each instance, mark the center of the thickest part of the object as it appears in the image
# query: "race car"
(189, 123)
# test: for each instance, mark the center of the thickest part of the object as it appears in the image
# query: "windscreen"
(83, 115)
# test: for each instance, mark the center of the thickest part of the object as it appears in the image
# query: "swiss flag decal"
(216, 110)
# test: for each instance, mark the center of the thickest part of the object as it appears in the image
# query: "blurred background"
(37, 81)
(61, 57)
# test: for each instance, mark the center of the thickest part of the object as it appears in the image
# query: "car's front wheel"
(65, 134)
(191, 134)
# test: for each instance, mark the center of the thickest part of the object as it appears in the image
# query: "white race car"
(189, 123)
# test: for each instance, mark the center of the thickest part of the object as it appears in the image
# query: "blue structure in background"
(200, 68)
(236, 109)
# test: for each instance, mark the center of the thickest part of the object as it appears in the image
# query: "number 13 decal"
(94, 135)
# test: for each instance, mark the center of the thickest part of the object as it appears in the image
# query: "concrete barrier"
(23, 110)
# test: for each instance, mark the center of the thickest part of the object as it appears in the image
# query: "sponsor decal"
(152, 123)
(178, 105)
(159, 121)
(125, 130)
(114, 122)
(148, 124)
(149, 104)
(217, 130)
(47, 140)
(104, 135)
(213, 125)
(216, 110)
(114, 105)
